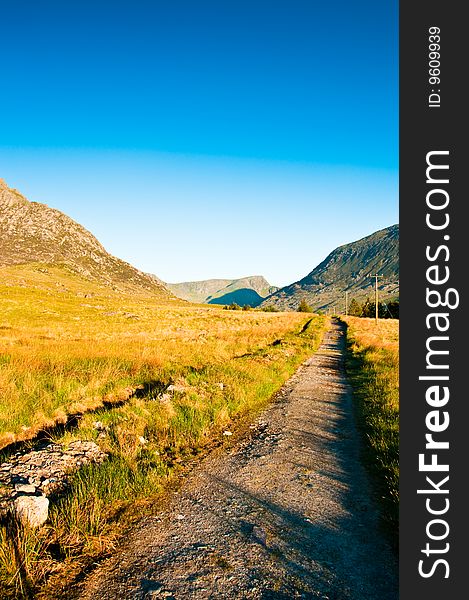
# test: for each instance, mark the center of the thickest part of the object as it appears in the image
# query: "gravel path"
(286, 514)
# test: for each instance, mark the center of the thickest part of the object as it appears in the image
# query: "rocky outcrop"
(27, 479)
(31, 232)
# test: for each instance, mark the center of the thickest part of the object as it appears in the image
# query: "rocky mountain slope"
(347, 268)
(247, 290)
(31, 232)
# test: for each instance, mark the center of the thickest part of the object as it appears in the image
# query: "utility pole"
(346, 303)
(376, 295)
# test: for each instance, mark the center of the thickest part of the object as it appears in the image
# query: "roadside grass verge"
(222, 366)
(373, 367)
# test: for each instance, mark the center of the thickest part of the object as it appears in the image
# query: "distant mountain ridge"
(246, 290)
(347, 268)
(31, 232)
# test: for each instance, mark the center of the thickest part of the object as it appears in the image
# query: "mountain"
(347, 268)
(31, 232)
(247, 290)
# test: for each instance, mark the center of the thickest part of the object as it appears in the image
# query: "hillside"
(32, 233)
(247, 290)
(347, 268)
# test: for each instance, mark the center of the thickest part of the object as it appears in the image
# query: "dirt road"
(286, 514)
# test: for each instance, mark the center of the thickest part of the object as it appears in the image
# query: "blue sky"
(201, 139)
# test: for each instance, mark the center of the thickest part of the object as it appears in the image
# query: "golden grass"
(373, 364)
(62, 353)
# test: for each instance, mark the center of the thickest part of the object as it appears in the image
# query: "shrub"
(355, 308)
(304, 307)
(269, 308)
(232, 306)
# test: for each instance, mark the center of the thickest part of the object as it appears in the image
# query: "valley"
(115, 386)
(249, 291)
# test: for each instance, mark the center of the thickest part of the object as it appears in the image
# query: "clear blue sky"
(201, 139)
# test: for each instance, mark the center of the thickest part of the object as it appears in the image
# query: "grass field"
(65, 347)
(373, 365)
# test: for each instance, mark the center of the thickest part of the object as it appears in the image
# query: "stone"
(25, 488)
(153, 593)
(46, 470)
(32, 510)
(260, 534)
(176, 388)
